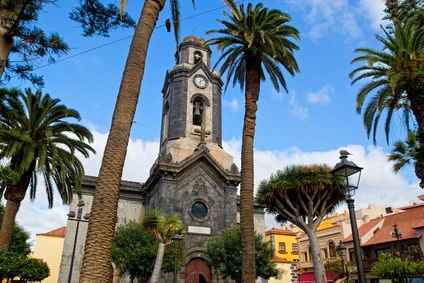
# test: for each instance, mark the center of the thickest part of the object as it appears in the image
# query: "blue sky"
(308, 125)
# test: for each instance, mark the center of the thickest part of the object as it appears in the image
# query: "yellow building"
(48, 248)
(286, 253)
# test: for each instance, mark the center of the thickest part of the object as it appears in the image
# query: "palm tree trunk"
(101, 228)
(416, 96)
(9, 216)
(14, 194)
(158, 264)
(317, 260)
(247, 171)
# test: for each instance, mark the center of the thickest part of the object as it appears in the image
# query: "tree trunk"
(6, 41)
(415, 94)
(14, 194)
(158, 264)
(318, 262)
(101, 228)
(9, 216)
(247, 171)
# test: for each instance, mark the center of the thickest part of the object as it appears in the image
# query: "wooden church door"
(198, 272)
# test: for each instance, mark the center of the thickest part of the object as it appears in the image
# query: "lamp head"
(348, 171)
(341, 249)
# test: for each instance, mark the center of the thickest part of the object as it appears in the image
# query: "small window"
(332, 248)
(295, 249)
(282, 247)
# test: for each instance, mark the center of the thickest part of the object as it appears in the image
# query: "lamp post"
(348, 175)
(78, 218)
(176, 239)
(341, 252)
(396, 234)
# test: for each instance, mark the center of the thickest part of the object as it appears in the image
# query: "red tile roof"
(60, 232)
(407, 222)
(278, 231)
(278, 259)
(365, 228)
(412, 206)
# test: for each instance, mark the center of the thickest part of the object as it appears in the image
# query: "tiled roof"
(407, 221)
(278, 231)
(278, 259)
(364, 228)
(412, 206)
(60, 232)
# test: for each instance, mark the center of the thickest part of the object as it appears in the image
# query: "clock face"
(200, 81)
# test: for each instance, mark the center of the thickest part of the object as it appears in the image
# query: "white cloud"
(374, 11)
(296, 109)
(329, 16)
(233, 104)
(322, 96)
(277, 94)
(378, 183)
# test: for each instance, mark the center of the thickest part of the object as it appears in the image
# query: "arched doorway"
(198, 272)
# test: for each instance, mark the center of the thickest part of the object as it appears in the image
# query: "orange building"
(286, 253)
(48, 248)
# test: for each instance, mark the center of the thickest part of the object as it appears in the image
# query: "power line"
(122, 39)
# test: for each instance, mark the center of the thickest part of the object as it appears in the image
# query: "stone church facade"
(193, 176)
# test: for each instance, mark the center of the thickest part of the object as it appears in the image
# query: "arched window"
(332, 249)
(197, 112)
(197, 57)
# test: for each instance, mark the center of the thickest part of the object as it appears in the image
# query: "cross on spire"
(202, 133)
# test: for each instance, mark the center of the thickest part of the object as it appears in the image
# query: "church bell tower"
(193, 176)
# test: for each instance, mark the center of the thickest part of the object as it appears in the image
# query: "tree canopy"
(303, 195)
(14, 265)
(134, 252)
(225, 254)
(163, 227)
(22, 38)
(392, 266)
(48, 150)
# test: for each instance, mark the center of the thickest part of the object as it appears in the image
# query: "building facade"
(193, 176)
(48, 248)
(331, 231)
(286, 252)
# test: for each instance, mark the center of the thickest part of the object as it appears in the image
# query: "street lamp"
(396, 234)
(78, 218)
(341, 252)
(176, 239)
(348, 175)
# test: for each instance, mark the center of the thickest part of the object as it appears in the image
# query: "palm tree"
(163, 228)
(303, 195)
(50, 151)
(101, 228)
(405, 153)
(396, 77)
(253, 42)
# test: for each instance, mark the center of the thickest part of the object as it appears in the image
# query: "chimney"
(366, 218)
